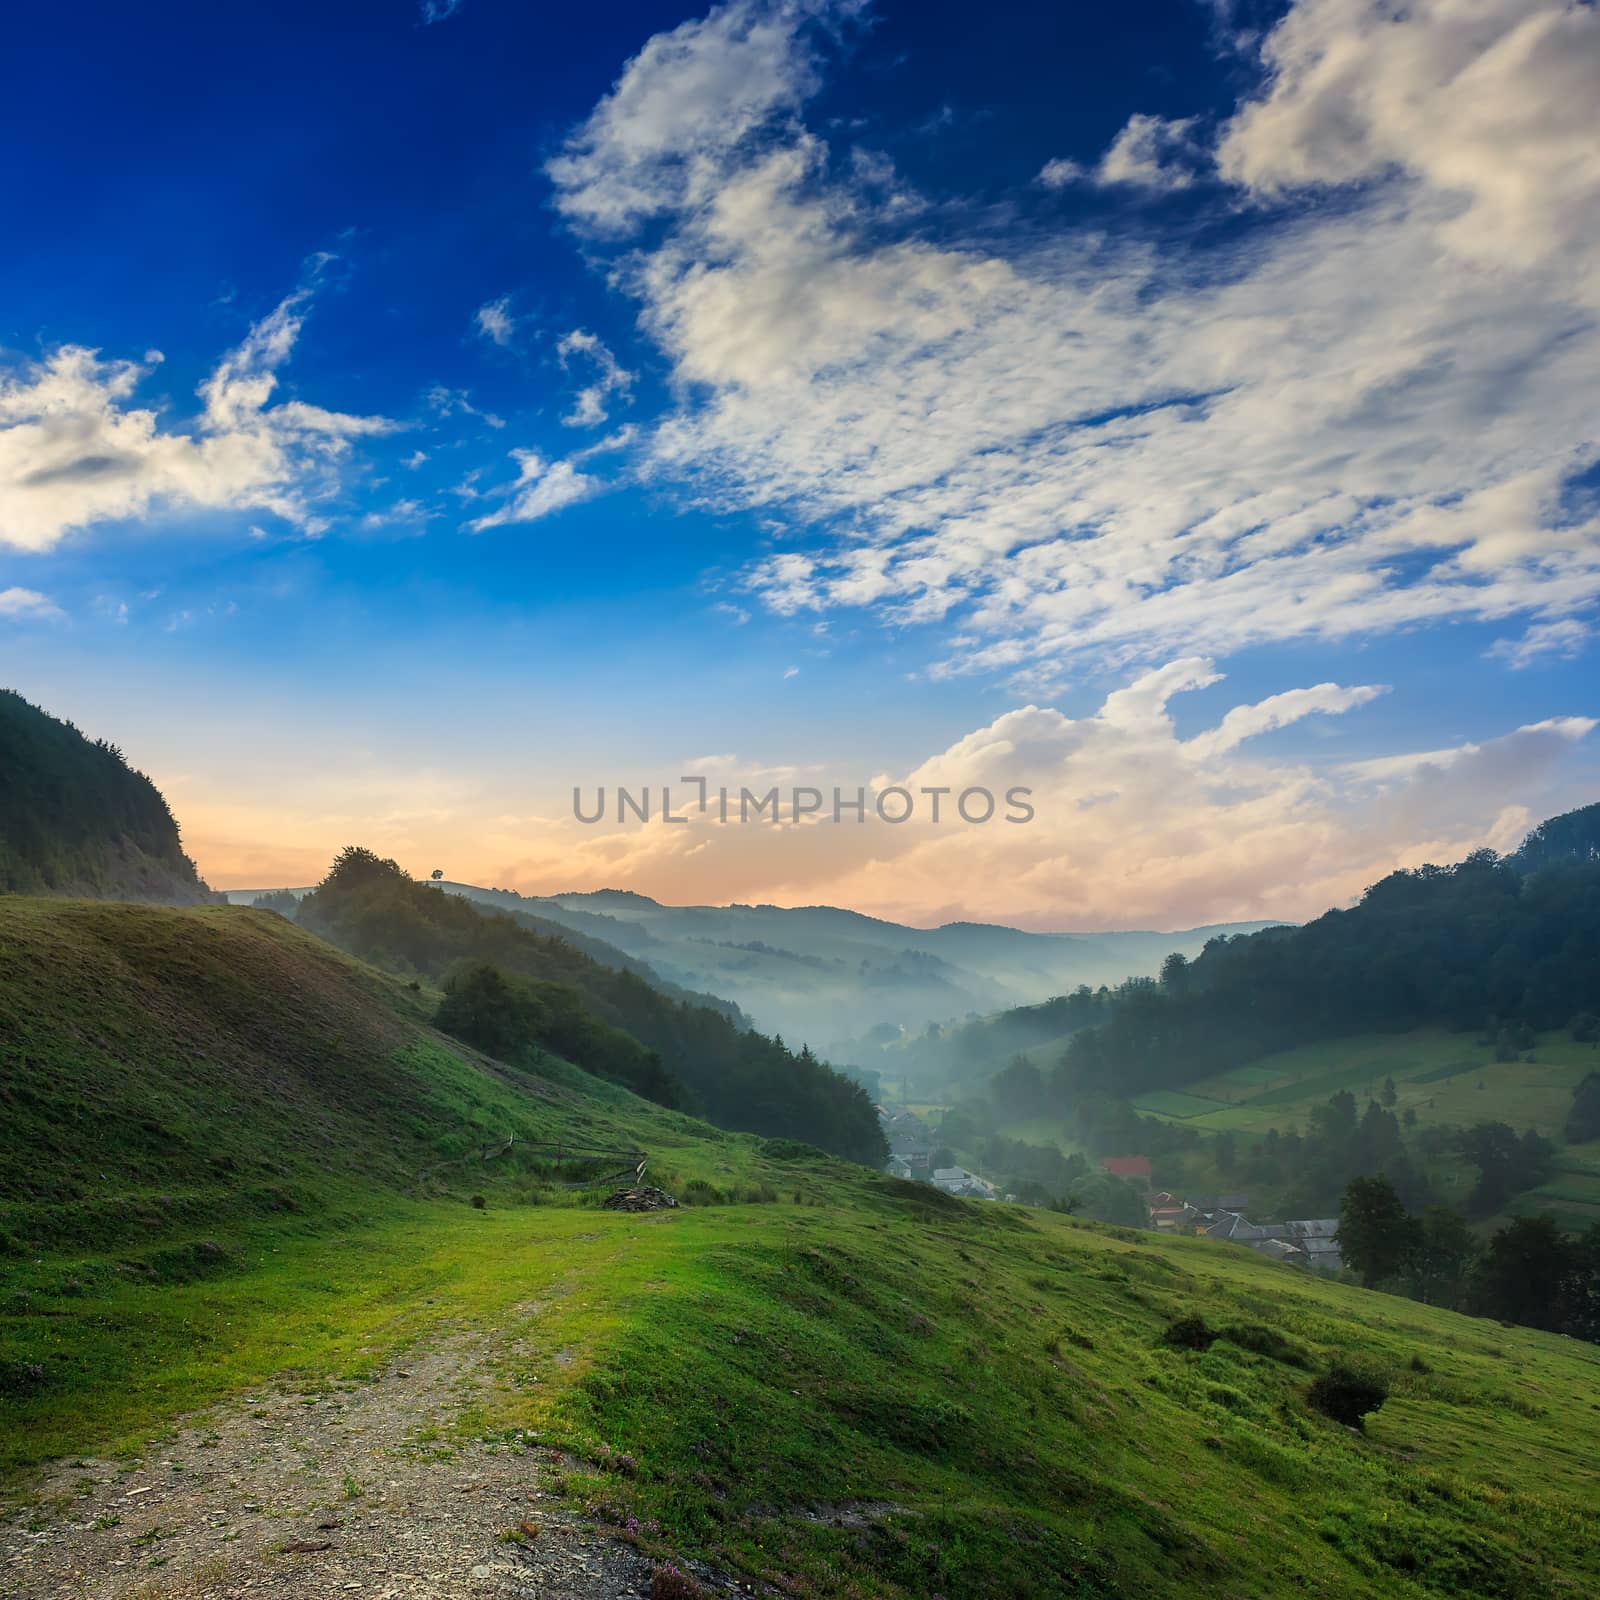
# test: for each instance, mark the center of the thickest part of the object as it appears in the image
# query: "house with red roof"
(1137, 1167)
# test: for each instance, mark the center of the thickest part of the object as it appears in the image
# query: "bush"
(478, 1202)
(1347, 1395)
(1264, 1341)
(671, 1582)
(1190, 1333)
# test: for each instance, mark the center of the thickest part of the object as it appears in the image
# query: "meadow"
(807, 1375)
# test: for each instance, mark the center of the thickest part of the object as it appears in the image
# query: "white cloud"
(74, 452)
(1486, 103)
(433, 11)
(684, 104)
(611, 378)
(1278, 711)
(1059, 173)
(1129, 827)
(1155, 153)
(29, 604)
(495, 322)
(1325, 425)
(458, 403)
(1563, 640)
(542, 487)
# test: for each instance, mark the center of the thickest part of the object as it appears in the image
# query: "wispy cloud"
(433, 11)
(29, 604)
(458, 403)
(611, 378)
(1357, 412)
(542, 487)
(74, 452)
(1563, 640)
(494, 321)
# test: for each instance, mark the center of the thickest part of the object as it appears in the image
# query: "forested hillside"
(76, 819)
(1491, 943)
(507, 983)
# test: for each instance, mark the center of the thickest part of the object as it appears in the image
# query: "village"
(1312, 1243)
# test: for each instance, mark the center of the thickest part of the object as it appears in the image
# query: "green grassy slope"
(854, 1388)
(1447, 1078)
(178, 1071)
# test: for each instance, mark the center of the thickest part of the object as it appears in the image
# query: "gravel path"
(362, 1490)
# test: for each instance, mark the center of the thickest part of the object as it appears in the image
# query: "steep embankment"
(817, 1378)
(76, 819)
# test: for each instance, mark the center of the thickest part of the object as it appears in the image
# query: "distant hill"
(1498, 945)
(843, 981)
(683, 1052)
(76, 819)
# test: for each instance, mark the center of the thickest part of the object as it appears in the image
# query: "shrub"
(478, 1202)
(670, 1582)
(1190, 1333)
(1264, 1341)
(1347, 1395)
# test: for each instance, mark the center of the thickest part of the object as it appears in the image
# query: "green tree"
(1443, 1258)
(1583, 1120)
(1377, 1236)
(1524, 1272)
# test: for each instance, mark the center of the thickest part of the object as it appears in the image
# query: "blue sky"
(402, 421)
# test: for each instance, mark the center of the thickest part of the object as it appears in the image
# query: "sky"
(1185, 411)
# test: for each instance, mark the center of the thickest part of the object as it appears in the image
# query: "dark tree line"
(75, 818)
(608, 1021)
(1499, 945)
(1528, 1272)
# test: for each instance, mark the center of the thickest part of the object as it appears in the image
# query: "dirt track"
(361, 1491)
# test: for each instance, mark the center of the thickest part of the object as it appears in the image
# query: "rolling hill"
(239, 1162)
(870, 979)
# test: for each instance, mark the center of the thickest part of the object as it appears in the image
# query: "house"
(958, 1181)
(1312, 1243)
(1283, 1250)
(898, 1167)
(1168, 1214)
(914, 1152)
(1210, 1206)
(1135, 1167)
(1319, 1239)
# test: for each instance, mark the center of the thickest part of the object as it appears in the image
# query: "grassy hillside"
(75, 818)
(1447, 1079)
(683, 1054)
(223, 1165)
(171, 1072)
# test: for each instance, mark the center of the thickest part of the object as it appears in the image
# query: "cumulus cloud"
(1134, 825)
(684, 104)
(610, 377)
(28, 603)
(74, 452)
(1488, 104)
(1344, 417)
(542, 487)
